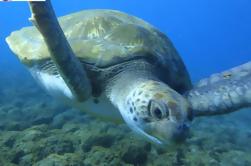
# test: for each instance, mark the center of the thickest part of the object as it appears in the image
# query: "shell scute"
(99, 37)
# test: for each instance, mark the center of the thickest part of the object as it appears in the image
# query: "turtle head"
(157, 112)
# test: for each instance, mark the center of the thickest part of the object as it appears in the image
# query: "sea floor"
(37, 130)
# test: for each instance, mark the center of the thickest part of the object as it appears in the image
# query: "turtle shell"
(103, 38)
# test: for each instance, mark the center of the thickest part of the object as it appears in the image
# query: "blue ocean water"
(210, 36)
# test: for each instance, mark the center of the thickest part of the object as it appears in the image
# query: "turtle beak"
(168, 131)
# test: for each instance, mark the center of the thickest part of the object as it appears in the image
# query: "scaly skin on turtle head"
(157, 112)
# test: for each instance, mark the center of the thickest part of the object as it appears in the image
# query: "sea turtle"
(133, 68)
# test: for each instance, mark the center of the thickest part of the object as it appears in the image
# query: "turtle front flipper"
(69, 67)
(222, 92)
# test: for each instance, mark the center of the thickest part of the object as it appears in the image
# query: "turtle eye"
(157, 113)
(155, 110)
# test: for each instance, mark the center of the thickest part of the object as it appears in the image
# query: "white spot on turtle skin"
(202, 82)
(214, 78)
(235, 98)
(226, 99)
(216, 98)
(239, 90)
(196, 93)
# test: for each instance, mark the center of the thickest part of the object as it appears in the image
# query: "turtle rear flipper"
(222, 92)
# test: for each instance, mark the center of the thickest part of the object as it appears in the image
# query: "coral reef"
(37, 130)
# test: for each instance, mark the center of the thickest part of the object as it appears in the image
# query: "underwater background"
(36, 129)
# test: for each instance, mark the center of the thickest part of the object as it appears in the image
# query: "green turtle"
(135, 73)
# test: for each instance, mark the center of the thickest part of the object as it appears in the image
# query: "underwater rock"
(10, 142)
(69, 116)
(134, 151)
(12, 119)
(199, 158)
(39, 115)
(234, 157)
(60, 119)
(179, 157)
(98, 134)
(68, 159)
(102, 156)
(34, 133)
(17, 156)
(26, 160)
(55, 144)
(135, 155)
(104, 140)
(15, 126)
(42, 120)
(8, 139)
(70, 127)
